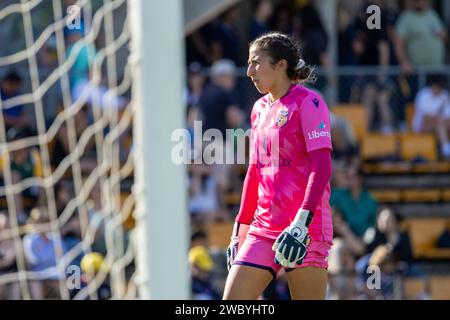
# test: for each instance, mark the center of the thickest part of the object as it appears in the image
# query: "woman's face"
(386, 221)
(260, 70)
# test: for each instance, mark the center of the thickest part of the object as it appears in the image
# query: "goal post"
(161, 216)
(112, 209)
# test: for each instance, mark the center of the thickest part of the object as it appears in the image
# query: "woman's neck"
(279, 90)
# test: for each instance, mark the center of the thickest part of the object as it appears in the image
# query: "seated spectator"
(432, 112)
(25, 163)
(201, 265)
(346, 250)
(39, 250)
(345, 147)
(388, 247)
(203, 202)
(226, 39)
(356, 204)
(263, 10)
(92, 264)
(61, 146)
(14, 116)
(8, 291)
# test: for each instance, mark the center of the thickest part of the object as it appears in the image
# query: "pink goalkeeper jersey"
(282, 134)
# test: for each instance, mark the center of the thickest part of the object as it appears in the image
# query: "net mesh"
(67, 225)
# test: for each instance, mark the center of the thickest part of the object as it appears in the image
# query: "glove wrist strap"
(303, 218)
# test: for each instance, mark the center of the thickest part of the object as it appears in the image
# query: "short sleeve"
(401, 28)
(436, 22)
(315, 123)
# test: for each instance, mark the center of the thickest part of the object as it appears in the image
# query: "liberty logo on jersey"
(322, 126)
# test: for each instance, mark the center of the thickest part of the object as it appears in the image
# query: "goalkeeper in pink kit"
(285, 218)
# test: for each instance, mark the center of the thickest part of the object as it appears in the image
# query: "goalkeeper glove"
(237, 239)
(290, 246)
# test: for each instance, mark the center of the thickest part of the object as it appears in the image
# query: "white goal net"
(66, 220)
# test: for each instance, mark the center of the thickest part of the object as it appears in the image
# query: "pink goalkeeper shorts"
(256, 251)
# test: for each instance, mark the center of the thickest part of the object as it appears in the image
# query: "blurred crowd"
(43, 228)
(413, 37)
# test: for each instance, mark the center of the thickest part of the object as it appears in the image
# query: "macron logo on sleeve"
(316, 102)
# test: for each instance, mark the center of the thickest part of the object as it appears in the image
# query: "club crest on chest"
(282, 118)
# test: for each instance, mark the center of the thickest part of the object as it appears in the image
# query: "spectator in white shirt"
(432, 112)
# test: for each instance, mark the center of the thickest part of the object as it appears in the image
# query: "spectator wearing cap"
(196, 81)
(218, 105)
(220, 111)
(201, 265)
(84, 54)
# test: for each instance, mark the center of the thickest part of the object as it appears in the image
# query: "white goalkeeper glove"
(290, 246)
(238, 236)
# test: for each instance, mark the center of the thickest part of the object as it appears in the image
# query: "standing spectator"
(259, 24)
(432, 112)
(84, 56)
(80, 73)
(346, 57)
(226, 40)
(421, 37)
(198, 45)
(371, 48)
(282, 20)
(308, 27)
(356, 204)
(218, 105)
(92, 264)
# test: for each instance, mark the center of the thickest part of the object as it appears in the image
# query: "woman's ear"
(282, 64)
